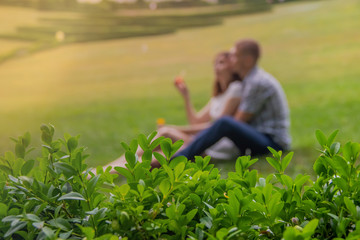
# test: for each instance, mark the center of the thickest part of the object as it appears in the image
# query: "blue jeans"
(243, 135)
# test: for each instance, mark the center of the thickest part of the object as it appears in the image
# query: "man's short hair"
(249, 46)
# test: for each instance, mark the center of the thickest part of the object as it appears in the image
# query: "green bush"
(57, 196)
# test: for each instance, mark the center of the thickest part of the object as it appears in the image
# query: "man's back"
(265, 99)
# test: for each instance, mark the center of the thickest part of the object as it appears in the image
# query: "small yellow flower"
(226, 195)
(160, 121)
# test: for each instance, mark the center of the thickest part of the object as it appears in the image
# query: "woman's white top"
(217, 103)
(224, 149)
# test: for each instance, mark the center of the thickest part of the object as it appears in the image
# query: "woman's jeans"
(243, 135)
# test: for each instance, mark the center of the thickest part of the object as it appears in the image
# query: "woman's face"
(222, 66)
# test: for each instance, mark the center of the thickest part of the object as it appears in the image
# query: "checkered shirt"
(263, 96)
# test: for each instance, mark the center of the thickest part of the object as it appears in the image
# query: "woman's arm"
(193, 117)
(203, 116)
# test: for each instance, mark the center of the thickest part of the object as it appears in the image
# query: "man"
(262, 118)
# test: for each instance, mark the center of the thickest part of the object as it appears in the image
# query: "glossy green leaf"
(19, 150)
(267, 192)
(190, 215)
(77, 162)
(156, 142)
(143, 142)
(65, 235)
(125, 172)
(310, 228)
(239, 168)
(72, 144)
(46, 135)
(332, 137)
(179, 159)
(125, 146)
(251, 162)
(3, 209)
(130, 158)
(351, 152)
(32, 217)
(274, 153)
(252, 178)
(350, 206)
(26, 139)
(321, 138)
(320, 167)
(334, 148)
(14, 228)
(341, 183)
(141, 189)
(287, 181)
(160, 158)
(164, 187)
(275, 205)
(179, 169)
(166, 148)
(6, 169)
(72, 196)
(151, 136)
(291, 233)
(195, 198)
(88, 232)
(133, 145)
(340, 165)
(91, 184)
(300, 180)
(221, 234)
(233, 202)
(147, 155)
(286, 160)
(274, 163)
(27, 167)
(60, 223)
(176, 146)
(38, 225)
(170, 173)
(66, 169)
(171, 212)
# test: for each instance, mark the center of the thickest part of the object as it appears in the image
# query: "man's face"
(237, 59)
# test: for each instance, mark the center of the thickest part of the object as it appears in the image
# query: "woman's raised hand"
(181, 86)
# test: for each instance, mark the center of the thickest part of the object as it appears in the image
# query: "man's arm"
(243, 116)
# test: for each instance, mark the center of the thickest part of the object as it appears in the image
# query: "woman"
(225, 100)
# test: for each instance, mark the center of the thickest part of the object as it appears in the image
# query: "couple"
(254, 115)
(247, 113)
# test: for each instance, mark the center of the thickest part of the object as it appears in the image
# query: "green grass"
(109, 91)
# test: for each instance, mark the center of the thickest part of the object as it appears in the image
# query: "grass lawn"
(110, 91)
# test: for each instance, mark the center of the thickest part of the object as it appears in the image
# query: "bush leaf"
(164, 187)
(27, 167)
(72, 196)
(321, 138)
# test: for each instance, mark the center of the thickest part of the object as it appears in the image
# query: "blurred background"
(104, 69)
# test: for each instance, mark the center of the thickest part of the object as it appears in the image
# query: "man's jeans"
(242, 134)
